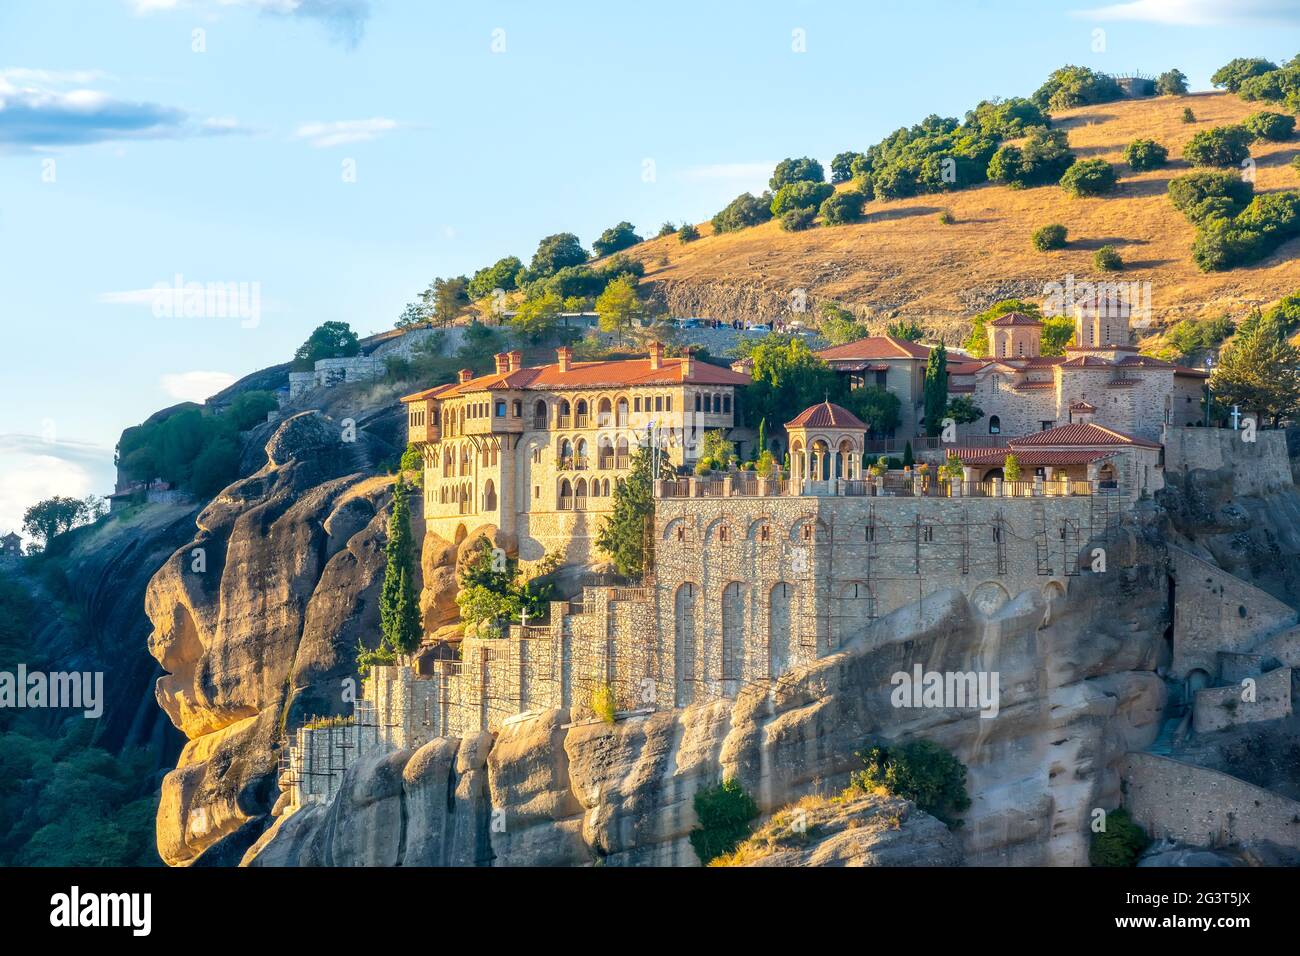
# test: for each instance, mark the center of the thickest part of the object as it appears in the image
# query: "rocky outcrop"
(256, 622)
(855, 829)
(1077, 685)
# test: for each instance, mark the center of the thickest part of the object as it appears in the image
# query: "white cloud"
(1195, 13)
(195, 386)
(341, 132)
(35, 469)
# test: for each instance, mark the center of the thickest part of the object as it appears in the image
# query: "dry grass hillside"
(902, 261)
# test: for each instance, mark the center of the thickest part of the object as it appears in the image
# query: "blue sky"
(128, 156)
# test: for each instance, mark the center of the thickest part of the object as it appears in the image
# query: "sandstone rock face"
(1077, 689)
(256, 622)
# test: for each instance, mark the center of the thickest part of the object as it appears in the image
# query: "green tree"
(446, 298)
(786, 378)
(216, 466)
(688, 233)
(536, 318)
(838, 325)
(798, 219)
(1073, 86)
(1043, 159)
(1057, 334)
(905, 329)
(1120, 843)
(251, 408)
(963, 410)
(842, 166)
(622, 534)
(1259, 369)
(800, 194)
(615, 239)
(502, 274)
(1107, 259)
(48, 519)
(618, 306)
(842, 207)
(936, 389)
(555, 253)
(743, 211)
(1232, 74)
(1171, 83)
(804, 170)
(667, 229)
(327, 340)
(399, 603)
(879, 408)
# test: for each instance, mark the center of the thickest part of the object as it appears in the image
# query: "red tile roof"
(1032, 457)
(1021, 386)
(1143, 361)
(875, 347)
(1080, 433)
(1016, 318)
(590, 375)
(1090, 361)
(1187, 372)
(827, 415)
(1083, 407)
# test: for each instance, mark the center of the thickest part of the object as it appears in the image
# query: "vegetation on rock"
(724, 812)
(921, 771)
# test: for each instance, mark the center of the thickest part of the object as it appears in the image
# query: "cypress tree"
(936, 389)
(399, 606)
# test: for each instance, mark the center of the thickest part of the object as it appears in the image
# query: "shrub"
(743, 211)
(1275, 127)
(1189, 193)
(724, 813)
(805, 170)
(667, 229)
(1144, 154)
(946, 218)
(1171, 83)
(1220, 146)
(603, 704)
(1011, 468)
(1295, 163)
(1050, 237)
(1089, 177)
(1188, 115)
(796, 220)
(1107, 259)
(799, 195)
(1120, 844)
(688, 233)
(922, 772)
(843, 207)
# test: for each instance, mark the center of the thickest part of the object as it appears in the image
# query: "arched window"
(580, 462)
(698, 401)
(489, 496)
(565, 499)
(516, 409)
(564, 420)
(621, 457)
(622, 412)
(580, 495)
(539, 415)
(995, 425)
(605, 453)
(581, 419)
(566, 453)
(604, 413)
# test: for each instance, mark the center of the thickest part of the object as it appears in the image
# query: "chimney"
(516, 359)
(503, 362)
(466, 374)
(656, 356)
(688, 363)
(564, 355)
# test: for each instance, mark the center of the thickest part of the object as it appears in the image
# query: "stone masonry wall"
(1257, 467)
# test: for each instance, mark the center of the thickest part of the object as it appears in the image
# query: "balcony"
(563, 421)
(539, 423)
(621, 462)
(605, 462)
(580, 420)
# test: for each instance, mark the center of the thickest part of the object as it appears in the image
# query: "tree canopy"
(615, 239)
(327, 340)
(555, 252)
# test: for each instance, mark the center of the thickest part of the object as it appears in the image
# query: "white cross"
(523, 617)
(1236, 416)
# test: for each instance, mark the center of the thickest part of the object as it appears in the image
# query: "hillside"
(903, 261)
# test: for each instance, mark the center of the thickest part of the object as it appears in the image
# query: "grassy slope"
(902, 260)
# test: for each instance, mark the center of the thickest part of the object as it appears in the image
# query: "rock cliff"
(256, 621)
(1078, 690)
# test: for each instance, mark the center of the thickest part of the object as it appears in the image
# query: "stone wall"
(1190, 804)
(1257, 467)
(1218, 707)
(1217, 611)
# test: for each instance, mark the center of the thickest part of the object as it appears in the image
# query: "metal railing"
(894, 485)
